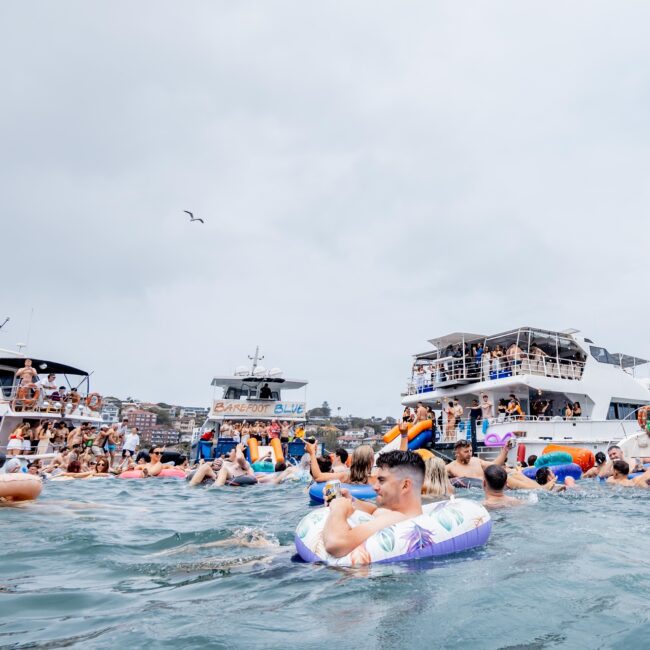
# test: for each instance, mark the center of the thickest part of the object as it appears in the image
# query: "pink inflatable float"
(495, 440)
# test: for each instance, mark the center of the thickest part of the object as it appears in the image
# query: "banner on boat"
(256, 410)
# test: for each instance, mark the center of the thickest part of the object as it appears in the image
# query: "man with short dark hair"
(494, 483)
(398, 486)
(468, 471)
(605, 470)
(620, 473)
(340, 458)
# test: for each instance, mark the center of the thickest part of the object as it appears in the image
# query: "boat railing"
(452, 370)
(24, 399)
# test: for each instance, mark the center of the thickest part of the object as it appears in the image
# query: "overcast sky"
(371, 175)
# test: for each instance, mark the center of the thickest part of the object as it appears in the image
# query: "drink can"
(331, 490)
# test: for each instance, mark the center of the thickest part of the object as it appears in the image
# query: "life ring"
(642, 417)
(357, 490)
(131, 473)
(554, 458)
(94, 401)
(22, 397)
(171, 472)
(572, 470)
(20, 487)
(443, 527)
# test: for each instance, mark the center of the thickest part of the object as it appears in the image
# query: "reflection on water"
(157, 564)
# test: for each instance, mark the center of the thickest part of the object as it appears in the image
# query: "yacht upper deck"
(462, 358)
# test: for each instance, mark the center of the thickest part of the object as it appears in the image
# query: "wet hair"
(600, 458)
(621, 467)
(531, 460)
(363, 458)
(342, 454)
(462, 443)
(407, 462)
(74, 467)
(543, 475)
(324, 464)
(436, 482)
(280, 466)
(495, 477)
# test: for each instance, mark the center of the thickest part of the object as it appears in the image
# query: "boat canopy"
(42, 366)
(231, 381)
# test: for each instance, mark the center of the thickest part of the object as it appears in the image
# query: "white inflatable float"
(444, 527)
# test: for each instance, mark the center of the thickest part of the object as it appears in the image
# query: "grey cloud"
(370, 175)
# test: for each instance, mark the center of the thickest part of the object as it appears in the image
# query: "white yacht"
(547, 372)
(35, 403)
(253, 394)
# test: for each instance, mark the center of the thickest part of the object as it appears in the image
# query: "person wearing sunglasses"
(153, 466)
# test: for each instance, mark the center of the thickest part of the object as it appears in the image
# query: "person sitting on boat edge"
(467, 470)
(398, 485)
(234, 470)
(363, 459)
(494, 483)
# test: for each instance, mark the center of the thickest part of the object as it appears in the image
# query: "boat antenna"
(6, 320)
(255, 358)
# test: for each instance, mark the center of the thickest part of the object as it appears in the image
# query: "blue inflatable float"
(356, 490)
(420, 440)
(561, 471)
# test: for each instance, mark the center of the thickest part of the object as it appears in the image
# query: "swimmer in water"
(467, 466)
(620, 476)
(494, 482)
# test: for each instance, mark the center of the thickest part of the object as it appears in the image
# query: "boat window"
(621, 410)
(601, 355)
(6, 382)
(236, 393)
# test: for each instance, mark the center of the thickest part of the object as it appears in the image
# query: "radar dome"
(260, 371)
(241, 371)
(275, 372)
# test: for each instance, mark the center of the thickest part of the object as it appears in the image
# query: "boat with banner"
(543, 387)
(252, 396)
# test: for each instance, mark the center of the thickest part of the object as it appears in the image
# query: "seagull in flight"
(192, 217)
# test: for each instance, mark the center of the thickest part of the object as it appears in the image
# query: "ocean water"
(156, 564)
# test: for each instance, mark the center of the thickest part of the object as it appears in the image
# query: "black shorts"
(125, 451)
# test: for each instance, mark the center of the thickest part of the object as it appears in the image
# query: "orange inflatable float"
(415, 430)
(583, 457)
(254, 449)
(276, 445)
(20, 487)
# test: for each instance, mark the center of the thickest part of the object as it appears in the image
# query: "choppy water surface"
(112, 563)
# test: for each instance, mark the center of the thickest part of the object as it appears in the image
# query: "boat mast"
(255, 359)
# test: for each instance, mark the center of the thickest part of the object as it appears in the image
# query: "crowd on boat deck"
(262, 431)
(454, 418)
(483, 361)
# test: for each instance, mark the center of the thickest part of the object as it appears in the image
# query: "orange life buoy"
(94, 401)
(22, 397)
(642, 416)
